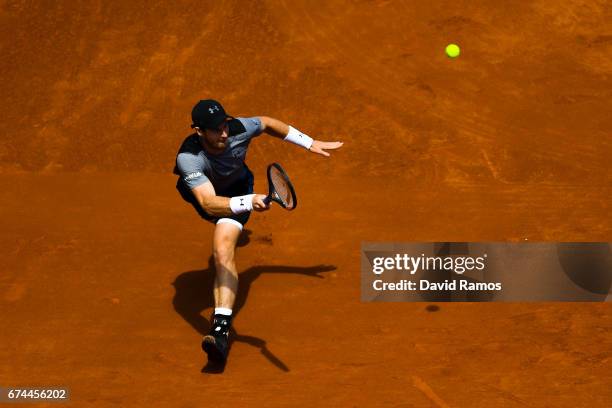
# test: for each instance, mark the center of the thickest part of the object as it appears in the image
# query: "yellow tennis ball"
(452, 50)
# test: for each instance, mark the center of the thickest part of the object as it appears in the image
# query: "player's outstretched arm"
(281, 130)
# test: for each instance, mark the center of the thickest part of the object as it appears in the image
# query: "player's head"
(208, 114)
(211, 123)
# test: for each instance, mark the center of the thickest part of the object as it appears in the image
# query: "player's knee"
(224, 255)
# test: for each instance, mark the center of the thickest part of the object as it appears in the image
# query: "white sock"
(223, 311)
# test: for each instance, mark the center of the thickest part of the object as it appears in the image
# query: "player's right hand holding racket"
(259, 204)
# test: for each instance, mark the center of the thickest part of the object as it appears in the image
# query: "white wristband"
(296, 137)
(242, 204)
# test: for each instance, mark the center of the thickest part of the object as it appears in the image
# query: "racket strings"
(282, 189)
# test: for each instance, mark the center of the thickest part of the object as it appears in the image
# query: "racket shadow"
(194, 294)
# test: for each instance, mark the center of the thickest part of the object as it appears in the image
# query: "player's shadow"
(194, 294)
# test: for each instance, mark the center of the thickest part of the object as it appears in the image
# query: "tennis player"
(216, 181)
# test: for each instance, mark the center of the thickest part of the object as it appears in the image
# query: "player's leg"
(225, 238)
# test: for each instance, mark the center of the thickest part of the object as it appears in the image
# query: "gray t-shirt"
(195, 166)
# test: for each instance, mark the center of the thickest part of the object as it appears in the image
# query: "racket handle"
(267, 200)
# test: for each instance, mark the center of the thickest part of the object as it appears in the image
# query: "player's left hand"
(320, 147)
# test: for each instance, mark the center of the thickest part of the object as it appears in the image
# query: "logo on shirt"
(191, 176)
(239, 152)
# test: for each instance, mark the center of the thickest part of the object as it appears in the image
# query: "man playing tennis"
(215, 180)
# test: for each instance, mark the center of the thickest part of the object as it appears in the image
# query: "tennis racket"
(280, 188)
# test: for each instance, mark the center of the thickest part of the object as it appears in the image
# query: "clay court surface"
(105, 278)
